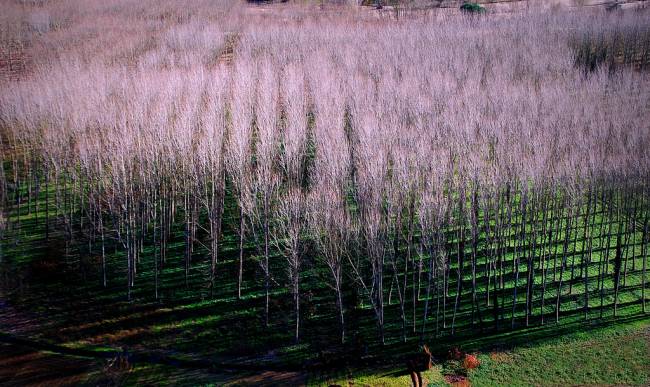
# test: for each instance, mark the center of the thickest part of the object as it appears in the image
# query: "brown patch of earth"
(501, 357)
(457, 381)
(272, 378)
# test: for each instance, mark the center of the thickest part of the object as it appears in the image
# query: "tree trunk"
(426, 302)
(644, 257)
(296, 295)
(617, 271)
(339, 302)
(267, 273)
(241, 252)
(565, 248)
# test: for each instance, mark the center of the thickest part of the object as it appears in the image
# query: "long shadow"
(102, 311)
(141, 357)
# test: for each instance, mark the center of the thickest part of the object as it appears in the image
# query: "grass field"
(603, 356)
(53, 295)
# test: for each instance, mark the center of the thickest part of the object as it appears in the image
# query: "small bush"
(470, 362)
(472, 8)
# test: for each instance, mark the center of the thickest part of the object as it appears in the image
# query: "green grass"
(606, 356)
(191, 322)
(383, 377)
(601, 357)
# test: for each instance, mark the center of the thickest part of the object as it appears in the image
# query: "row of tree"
(420, 169)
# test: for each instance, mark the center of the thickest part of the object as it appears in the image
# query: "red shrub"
(471, 362)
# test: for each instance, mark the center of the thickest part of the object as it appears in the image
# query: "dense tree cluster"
(461, 163)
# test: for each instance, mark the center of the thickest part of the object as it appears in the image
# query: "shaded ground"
(23, 366)
(29, 357)
(75, 329)
(558, 355)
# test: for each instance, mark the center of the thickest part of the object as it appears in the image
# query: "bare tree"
(239, 149)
